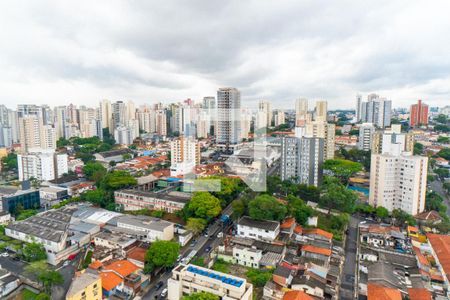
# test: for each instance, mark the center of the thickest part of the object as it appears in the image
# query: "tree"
(9, 162)
(381, 212)
(117, 179)
(441, 118)
(127, 156)
(418, 149)
(442, 173)
(201, 296)
(334, 195)
(42, 296)
(258, 277)
(62, 142)
(342, 168)
(299, 210)
(34, 252)
(97, 197)
(161, 254)
(266, 207)
(50, 278)
(94, 171)
(238, 207)
(25, 214)
(308, 192)
(402, 218)
(204, 205)
(443, 139)
(196, 225)
(35, 268)
(444, 153)
(446, 186)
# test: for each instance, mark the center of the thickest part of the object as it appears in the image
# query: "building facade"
(42, 165)
(228, 136)
(366, 131)
(418, 114)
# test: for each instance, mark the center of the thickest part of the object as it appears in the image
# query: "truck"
(225, 219)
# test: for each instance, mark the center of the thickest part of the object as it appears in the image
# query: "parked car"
(4, 254)
(164, 293)
(208, 249)
(66, 263)
(159, 285)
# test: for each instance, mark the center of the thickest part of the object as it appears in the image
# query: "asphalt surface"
(347, 290)
(201, 244)
(437, 187)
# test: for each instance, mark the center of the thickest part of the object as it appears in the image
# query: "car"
(66, 263)
(179, 258)
(164, 293)
(16, 258)
(4, 254)
(159, 285)
(208, 249)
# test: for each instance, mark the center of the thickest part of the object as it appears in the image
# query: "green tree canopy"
(442, 173)
(443, 139)
(335, 195)
(9, 162)
(34, 252)
(402, 218)
(299, 210)
(418, 149)
(97, 197)
(196, 225)
(266, 207)
(50, 278)
(381, 212)
(94, 171)
(444, 153)
(204, 205)
(161, 254)
(342, 168)
(116, 180)
(201, 296)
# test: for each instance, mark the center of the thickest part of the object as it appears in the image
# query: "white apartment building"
(366, 131)
(398, 181)
(248, 257)
(185, 155)
(279, 118)
(257, 230)
(149, 229)
(42, 164)
(301, 112)
(265, 108)
(124, 135)
(189, 279)
(34, 134)
(320, 129)
(385, 141)
(376, 110)
(228, 119)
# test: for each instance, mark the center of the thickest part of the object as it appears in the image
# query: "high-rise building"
(266, 108)
(30, 128)
(6, 138)
(418, 114)
(376, 110)
(246, 123)
(60, 121)
(119, 114)
(386, 141)
(321, 129)
(124, 135)
(184, 155)
(106, 114)
(366, 131)
(279, 117)
(321, 111)
(398, 181)
(210, 106)
(302, 159)
(301, 111)
(41, 165)
(358, 107)
(161, 122)
(228, 119)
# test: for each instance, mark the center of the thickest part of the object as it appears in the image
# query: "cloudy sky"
(55, 52)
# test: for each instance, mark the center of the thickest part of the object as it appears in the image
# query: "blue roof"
(224, 279)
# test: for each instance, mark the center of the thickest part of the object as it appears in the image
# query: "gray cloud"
(52, 51)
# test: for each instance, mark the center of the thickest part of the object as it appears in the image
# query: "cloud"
(83, 51)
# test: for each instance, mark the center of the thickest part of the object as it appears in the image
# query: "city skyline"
(279, 53)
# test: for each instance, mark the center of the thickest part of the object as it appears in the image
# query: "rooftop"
(115, 152)
(419, 294)
(441, 246)
(224, 278)
(146, 222)
(317, 250)
(122, 267)
(110, 280)
(168, 196)
(266, 225)
(79, 283)
(378, 292)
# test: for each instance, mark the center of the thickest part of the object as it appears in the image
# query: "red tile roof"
(428, 216)
(317, 250)
(137, 253)
(122, 267)
(287, 223)
(298, 229)
(318, 231)
(422, 259)
(419, 294)
(296, 295)
(96, 264)
(378, 292)
(110, 280)
(441, 246)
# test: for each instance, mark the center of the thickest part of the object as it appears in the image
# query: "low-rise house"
(113, 241)
(5, 218)
(256, 229)
(296, 295)
(428, 217)
(171, 201)
(148, 229)
(379, 292)
(137, 256)
(87, 285)
(113, 155)
(282, 276)
(8, 283)
(122, 278)
(314, 252)
(310, 285)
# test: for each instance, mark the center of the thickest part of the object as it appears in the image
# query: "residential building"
(302, 159)
(8, 283)
(189, 279)
(34, 134)
(418, 114)
(321, 111)
(171, 201)
(265, 107)
(257, 229)
(124, 135)
(86, 286)
(279, 117)
(376, 110)
(366, 131)
(185, 155)
(441, 253)
(149, 229)
(42, 165)
(377, 292)
(301, 112)
(324, 130)
(228, 136)
(398, 181)
(358, 107)
(387, 140)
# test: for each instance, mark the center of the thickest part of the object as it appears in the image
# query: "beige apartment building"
(398, 181)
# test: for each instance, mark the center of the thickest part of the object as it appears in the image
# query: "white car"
(66, 263)
(164, 293)
(5, 254)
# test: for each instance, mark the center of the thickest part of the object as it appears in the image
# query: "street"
(437, 187)
(202, 243)
(347, 290)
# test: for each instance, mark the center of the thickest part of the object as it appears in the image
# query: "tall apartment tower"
(266, 108)
(366, 131)
(42, 165)
(106, 114)
(301, 111)
(228, 119)
(321, 111)
(398, 181)
(302, 159)
(418, 114)
(358, 107)
(321, 129)
(385, 140)
(34, 134)
(279, 117)
(184, 156)
(376, 110)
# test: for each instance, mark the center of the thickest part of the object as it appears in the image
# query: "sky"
(61, 52)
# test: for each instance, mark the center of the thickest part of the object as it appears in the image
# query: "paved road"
(202, 243)
(437, 187)
(348, 273)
